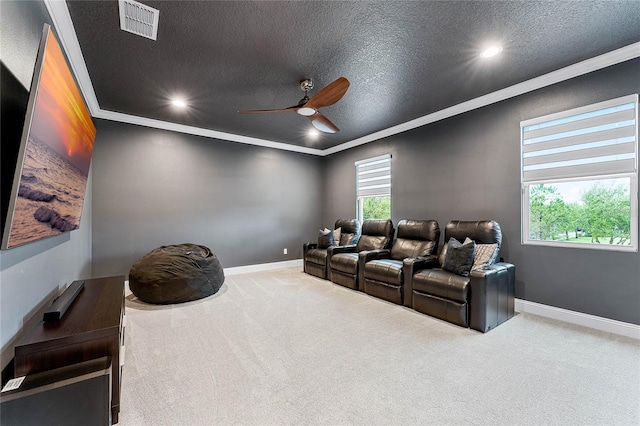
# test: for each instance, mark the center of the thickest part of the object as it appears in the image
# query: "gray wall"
(31, 275)
(153, 187)
(468, 167)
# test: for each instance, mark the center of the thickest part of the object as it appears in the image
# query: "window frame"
(526, 184)
(383, 191)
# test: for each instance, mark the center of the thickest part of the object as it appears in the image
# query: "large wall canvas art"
(55, 153)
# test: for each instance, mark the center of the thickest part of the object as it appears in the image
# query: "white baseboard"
(262, 267)
(578, 318)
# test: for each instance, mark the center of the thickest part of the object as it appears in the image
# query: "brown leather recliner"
(383, 271)
(346, 262)
(482, 300)
(315, 258)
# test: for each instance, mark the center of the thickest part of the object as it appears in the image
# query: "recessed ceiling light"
(491, 51)
(179, 103)
(313, 133)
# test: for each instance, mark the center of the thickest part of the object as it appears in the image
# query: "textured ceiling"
(404, 59)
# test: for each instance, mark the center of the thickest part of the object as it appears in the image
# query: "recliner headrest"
(349, 226)
(382, 227)
(419, 230)
(482, 232)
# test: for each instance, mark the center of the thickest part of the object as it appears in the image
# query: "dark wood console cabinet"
(91, 328)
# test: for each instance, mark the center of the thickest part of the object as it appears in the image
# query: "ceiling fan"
(308, 107)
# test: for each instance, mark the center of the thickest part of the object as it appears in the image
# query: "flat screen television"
(13, 104)
(50, 179)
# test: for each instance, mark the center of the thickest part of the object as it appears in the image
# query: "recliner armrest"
(419, 263)
(351, 248)
(492, 295)
(410, 266)
(369, 255)
(305, 248)
(308, 246)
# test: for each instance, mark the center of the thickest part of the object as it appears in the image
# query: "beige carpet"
(284, 348)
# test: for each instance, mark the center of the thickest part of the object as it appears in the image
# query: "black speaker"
(62, 302)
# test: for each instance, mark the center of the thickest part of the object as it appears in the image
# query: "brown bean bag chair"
(176, 274)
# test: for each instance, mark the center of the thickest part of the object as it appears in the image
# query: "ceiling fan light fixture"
(309, 107)
(322, 126)
(306, 111)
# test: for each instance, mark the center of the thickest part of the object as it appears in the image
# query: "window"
(373, 188)
(580, 177)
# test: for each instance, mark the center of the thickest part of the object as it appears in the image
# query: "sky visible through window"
(572, 191)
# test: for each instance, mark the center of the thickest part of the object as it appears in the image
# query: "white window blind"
(373, 176)
(599, 139)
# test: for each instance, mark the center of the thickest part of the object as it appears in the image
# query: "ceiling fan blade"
(262, 111)
(329, 95)
(323, 124)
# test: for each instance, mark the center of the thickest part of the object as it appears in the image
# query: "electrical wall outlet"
(285, 251)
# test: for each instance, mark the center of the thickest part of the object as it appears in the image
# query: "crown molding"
(63, 25)
(614, 57)
(66, 32)
(198, 131)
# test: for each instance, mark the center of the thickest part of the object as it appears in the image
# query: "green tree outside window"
(600, 216)
(376, 207)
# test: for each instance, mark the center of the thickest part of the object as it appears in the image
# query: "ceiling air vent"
(138, 19)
